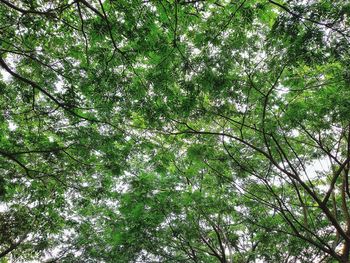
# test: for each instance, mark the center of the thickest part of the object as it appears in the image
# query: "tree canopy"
(174, 131)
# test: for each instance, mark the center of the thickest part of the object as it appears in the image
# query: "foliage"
(174, 131)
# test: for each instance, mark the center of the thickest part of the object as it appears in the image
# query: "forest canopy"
(174, 131)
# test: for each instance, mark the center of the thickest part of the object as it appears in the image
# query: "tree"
(180, 131)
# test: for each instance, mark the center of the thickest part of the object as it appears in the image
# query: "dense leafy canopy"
(174, 131)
